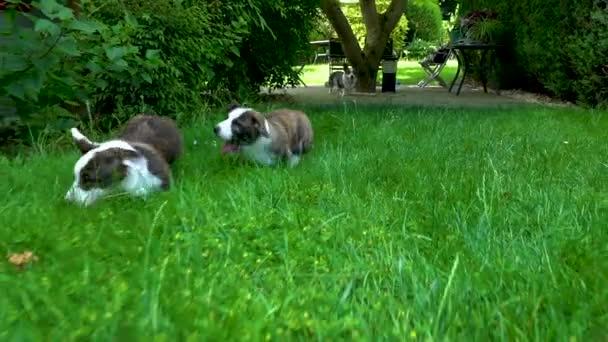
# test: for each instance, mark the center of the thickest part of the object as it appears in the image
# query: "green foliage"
(322, 29)
(418, 49)
(425, 19)
(589, 56)
(193, 42)
(277, 44)
(123, 56)
(355, 18)
(58, 59)
(556, 47)
(209, 47)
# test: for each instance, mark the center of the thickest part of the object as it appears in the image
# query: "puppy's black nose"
(216, 129)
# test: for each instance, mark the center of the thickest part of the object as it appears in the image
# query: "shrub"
(58, 60)
(425, 20)
(171, 57)
(207, 51)
(418, 49)
(555, 47)
(193, 42)
(277, 43)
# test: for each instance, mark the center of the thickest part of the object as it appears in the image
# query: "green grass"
(401, 224)
(408, 73)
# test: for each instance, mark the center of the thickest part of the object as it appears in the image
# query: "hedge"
(553, 46)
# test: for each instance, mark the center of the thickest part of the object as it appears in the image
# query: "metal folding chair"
(433, 65)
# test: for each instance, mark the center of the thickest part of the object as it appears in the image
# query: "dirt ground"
(414, 96)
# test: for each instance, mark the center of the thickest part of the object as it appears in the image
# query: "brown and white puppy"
(138, 160)
(283, 134)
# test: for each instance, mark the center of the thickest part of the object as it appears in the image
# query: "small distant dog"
(283, 134)
(342, 80)
(138, 160)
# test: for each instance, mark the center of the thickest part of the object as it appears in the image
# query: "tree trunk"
(366, 61)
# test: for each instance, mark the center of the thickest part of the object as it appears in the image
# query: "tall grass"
(402, 223)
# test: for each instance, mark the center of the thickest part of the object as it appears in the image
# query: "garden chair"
(336, 56)
(433, 64)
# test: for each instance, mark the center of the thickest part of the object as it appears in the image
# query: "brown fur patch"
(248, 127)
(105, 169)
(292, 132)
(160, 133)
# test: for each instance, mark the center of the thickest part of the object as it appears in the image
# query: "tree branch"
(393, 13)
(370, 15)
(333, 12)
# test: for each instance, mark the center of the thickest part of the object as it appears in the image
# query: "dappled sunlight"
(408, 73)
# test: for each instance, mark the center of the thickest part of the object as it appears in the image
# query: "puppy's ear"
(232, 106)
(83, 143)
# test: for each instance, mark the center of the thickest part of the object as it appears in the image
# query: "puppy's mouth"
(230, 147)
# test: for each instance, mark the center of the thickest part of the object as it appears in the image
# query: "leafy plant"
(418, 49)
(59, 60)
(425, 20)
(551, 46)
(484, 30)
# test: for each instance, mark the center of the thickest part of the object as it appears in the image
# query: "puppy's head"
(244, 126)
(349, 76)
(99, 168)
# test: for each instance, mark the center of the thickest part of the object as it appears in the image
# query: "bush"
(193, 42)
(425, 19)
(418, 49)
(555, 47)
(59, 60)
(126, 55)
(207, 51)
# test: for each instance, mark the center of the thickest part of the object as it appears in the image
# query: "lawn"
(401, 224)
(408, 73)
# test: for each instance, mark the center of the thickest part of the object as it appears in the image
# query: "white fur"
(259, 151)
(294, 160)
(225, 127)
(138, 182)
(79, 136)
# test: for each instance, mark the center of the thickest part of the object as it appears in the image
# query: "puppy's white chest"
(139, 181)
(259, 152)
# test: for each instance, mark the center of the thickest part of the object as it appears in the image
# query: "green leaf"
(49, 62)
(68, 46)
(86, 26)
(146, 77)
(116, 52)
(152, 54)
(235, 51)
(119, 65)
(47, 26)
(55, 10)
(17, 90)
(32, 84)
(65, 13)
(99, 83)
(129, 19)
(12, 63)
(93, 67)
(49, 7)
